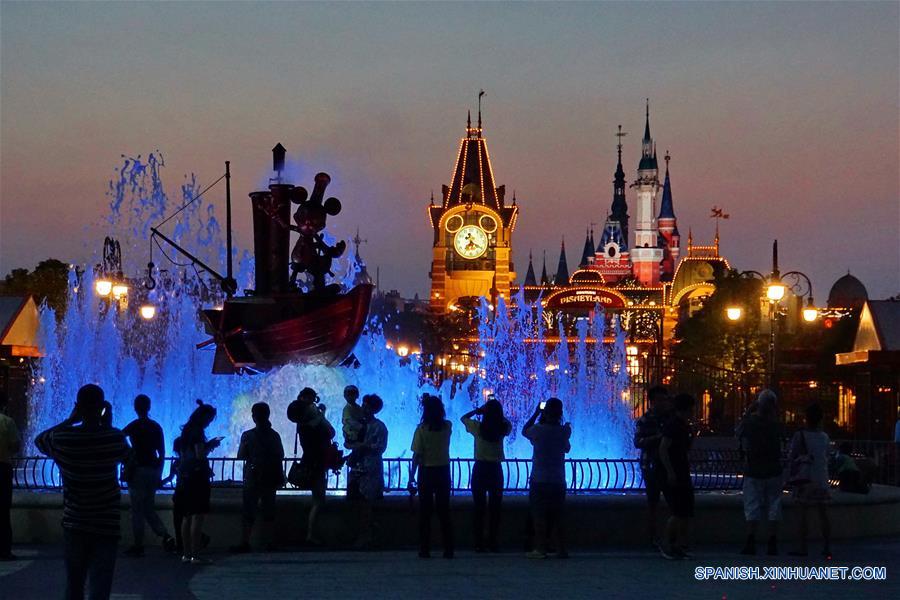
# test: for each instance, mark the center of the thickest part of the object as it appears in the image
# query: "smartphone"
(218, 438)
(491, 397)
(542, 405)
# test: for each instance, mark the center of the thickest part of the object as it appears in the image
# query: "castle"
(636, 269)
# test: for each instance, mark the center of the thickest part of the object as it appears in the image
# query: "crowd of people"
(89, 451)
(664, 436)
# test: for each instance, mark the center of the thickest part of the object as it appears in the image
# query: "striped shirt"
(88, 457)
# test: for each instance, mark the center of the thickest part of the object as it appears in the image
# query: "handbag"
(800, 470)
(334, 458)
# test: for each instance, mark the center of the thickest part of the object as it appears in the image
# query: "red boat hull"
(259, 334)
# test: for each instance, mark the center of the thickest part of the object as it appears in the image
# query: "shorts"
(680, 498)
(651, 485)
(193, 495)
(762, 498)
(258, 500)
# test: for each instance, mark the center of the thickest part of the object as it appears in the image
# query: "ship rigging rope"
(192, 200)
(158, 245)
(170, 217)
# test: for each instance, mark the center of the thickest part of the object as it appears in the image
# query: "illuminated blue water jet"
(127, 355)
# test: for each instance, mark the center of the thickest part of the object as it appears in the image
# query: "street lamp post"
(777, 284)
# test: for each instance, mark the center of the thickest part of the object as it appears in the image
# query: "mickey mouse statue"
(311, 254)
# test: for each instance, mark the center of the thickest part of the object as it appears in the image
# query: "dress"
(367, 473)
(816, 445)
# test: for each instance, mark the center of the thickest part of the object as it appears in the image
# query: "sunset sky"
(784, 114)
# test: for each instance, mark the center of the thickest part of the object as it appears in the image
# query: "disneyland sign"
(582, 298)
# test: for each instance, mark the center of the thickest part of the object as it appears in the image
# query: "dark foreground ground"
(606, 574)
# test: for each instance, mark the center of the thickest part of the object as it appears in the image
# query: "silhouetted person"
(850, 477)
(10, 444)
(365, 484)
(813, 443)
(315, 434)
(760, 434)
(647, 436)
(351, 419)
(678, 488)
(193, 485)
(88, 454)
(897, 449)
(547, 493)
(487, 474)
(431, 458)
(263, 456)
(143, 474)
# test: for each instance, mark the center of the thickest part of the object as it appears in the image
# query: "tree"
(48, 283)
(709, 337)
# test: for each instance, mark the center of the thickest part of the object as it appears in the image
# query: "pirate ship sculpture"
(283, 320)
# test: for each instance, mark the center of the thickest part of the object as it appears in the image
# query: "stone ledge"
(593, 519)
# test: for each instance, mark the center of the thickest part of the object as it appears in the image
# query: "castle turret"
(544, 279)
(529, 275)
(669, 238)
(619, 209)
(562, 269)
(587, 255)
(646, 255)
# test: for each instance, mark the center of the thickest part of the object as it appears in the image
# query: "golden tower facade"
(473, 227)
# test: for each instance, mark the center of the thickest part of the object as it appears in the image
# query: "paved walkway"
(605, 574)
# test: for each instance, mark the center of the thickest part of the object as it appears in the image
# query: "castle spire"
(529, 275)
(588, 253)
(666, 209)
(619, 207)
(647, 137)
(648, 148)
(562, 269)
(544, 279)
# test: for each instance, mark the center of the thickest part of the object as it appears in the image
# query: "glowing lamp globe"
(733, 313)
(775, 291)
(119, 290)
(810, 313)
(403, 350)
(103, 287)
(148, 311)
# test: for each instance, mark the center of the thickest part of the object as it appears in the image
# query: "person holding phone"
(547, 493)
(193, 487)
(487, 474)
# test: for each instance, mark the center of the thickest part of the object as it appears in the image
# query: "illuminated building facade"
(473, 227)
(645, 279)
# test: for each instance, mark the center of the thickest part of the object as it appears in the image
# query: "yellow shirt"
(485, 450)
(9, 438)
(433, 447)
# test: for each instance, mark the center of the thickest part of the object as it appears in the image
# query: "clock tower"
(473, 225)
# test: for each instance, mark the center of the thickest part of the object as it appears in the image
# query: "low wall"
(594, 520)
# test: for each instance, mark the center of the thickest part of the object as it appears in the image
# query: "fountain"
(127, 354)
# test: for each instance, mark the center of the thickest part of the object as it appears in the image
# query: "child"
(352, 421)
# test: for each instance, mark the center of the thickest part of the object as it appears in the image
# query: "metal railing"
(711, 470)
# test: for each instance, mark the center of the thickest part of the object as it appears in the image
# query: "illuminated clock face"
(470, 242)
